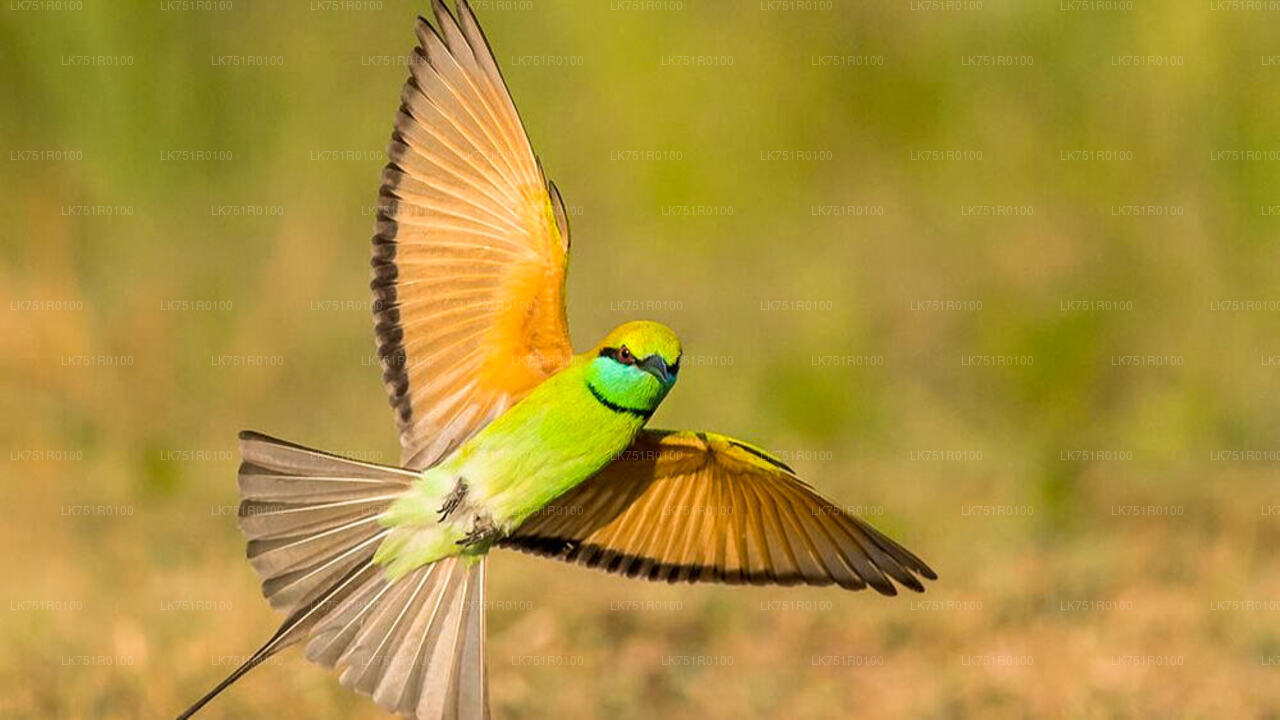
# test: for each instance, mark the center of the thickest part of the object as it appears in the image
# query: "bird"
(509, 439)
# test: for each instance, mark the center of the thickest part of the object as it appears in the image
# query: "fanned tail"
(415, 645)
(311, 518)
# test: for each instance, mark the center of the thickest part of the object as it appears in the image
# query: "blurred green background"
(1002, 276)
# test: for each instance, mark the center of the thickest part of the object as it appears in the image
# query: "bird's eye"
(624, 356)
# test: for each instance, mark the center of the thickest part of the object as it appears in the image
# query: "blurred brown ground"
(790, 186)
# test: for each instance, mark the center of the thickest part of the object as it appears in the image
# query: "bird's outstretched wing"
(470, 251)
(699, 507)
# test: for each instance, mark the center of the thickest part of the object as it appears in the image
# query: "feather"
(467, 221)
(714, 509)
(311, 519)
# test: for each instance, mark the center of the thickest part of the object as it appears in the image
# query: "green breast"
(559, 435)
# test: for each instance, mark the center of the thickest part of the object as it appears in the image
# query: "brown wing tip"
(887, 589)
(595, 557)
(441, 11)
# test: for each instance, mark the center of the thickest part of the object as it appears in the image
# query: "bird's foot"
(483, 529)
(454, 499)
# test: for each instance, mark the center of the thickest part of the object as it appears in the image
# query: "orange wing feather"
(699, 507)
(470, 252)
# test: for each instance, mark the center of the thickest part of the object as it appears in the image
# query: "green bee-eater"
(509, 439)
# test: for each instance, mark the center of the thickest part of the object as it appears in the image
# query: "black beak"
(657, 367)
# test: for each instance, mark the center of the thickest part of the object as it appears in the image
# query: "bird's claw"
(454, 499)
(482, 529)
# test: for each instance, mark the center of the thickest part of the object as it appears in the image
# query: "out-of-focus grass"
(127, 591)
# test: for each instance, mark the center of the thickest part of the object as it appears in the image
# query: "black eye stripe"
(615, 355)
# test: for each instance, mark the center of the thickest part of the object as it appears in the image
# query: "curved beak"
(657, 367)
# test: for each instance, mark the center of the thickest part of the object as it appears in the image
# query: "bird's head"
(635, 365)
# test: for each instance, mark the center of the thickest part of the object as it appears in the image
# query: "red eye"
(624, 356)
